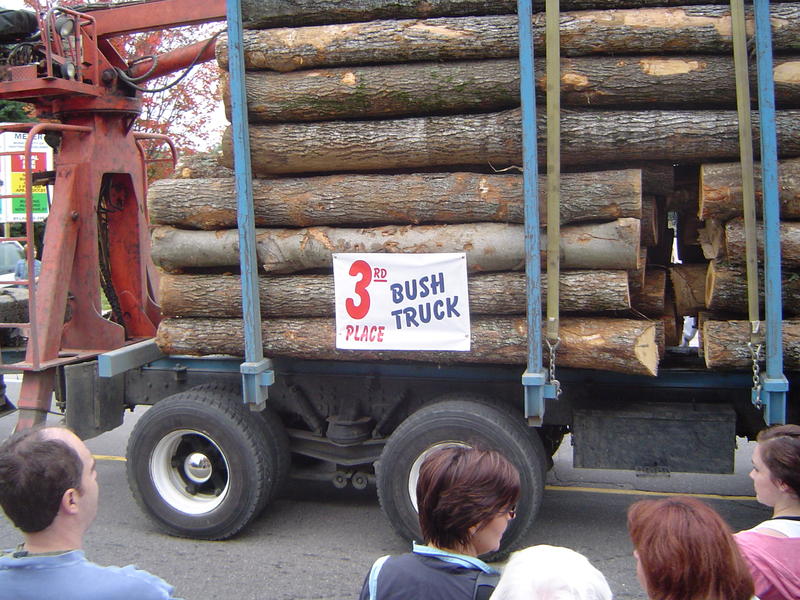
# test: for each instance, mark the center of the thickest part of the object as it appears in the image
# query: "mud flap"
(93, 405)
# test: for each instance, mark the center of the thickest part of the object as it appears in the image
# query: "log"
(636, 276)
(658, 179)
(219, 296)
(651, 221)
(726, 290)
(673, 324)
(689, 248)
(400, 199)
(789, 235)
(712, 239)
(263, 14)
(725, 344)
(623, 345)
(689, 285)
(201, 165)
(679, 30)
(683, 199)
(587, 138)
(661, 255)
(489, 85)
(721, 190)
(648, 299)
(489, 246)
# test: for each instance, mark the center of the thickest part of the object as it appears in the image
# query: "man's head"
(47, 474)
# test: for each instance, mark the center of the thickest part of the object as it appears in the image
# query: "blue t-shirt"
(69, 576)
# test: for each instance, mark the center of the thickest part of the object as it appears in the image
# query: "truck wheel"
(458, 422)
(270, 423)
(199, 465)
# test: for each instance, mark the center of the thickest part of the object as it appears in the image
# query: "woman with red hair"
(772, 548)
(685, 551)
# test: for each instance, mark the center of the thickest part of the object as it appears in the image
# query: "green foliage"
(14, 112)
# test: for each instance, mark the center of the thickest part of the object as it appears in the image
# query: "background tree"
(15, 112)
(186, 111)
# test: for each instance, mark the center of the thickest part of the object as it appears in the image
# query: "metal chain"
(755, 355)
(551, 350)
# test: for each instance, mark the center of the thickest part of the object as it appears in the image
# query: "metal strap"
(553, 71)
(746, 158)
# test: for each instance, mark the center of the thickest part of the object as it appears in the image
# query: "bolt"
(75, 215)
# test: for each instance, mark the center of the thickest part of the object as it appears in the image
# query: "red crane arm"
(154, 15)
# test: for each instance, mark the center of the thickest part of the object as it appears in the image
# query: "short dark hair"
(34, 474)
(687, 551)
(459, 487)
(780, 451)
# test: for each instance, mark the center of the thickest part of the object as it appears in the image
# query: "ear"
(69, 501)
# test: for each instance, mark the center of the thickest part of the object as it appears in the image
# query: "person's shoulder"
(130, 582)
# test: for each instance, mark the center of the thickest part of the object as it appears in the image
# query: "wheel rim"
(413, 475)
(190, 472)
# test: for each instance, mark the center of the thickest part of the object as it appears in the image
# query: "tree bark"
(673, 324)
(721, 190)
(219, 296)
(648, 299)
(488, 246)
(726, 290)
(651, 221)
(790, 242)
(725, 344)
(401, 199)
(415, 89)
(658, 179)
(623, 345)
(587, 138)
(684, 30)
(682, 199)
(712, 239)
(264, 14)
(201, 165)
(689, 284)
(689, 247)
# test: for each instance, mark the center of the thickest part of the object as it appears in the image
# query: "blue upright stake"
(534, 378)
(773, 383)
(256, 370)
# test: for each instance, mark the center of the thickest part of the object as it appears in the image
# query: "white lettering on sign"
(401, 301)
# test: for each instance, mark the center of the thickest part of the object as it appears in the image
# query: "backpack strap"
(373, 577)
(484, 585)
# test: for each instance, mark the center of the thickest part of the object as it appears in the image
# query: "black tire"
(270, 423)
(232, 477)
(469, 422)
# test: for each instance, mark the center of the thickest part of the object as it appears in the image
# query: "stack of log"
(381, 126)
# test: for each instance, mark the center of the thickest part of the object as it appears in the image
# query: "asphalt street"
(317, 542)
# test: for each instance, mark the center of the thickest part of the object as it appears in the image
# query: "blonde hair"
(551, 573)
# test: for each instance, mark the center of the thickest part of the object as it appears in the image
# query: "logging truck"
(383, 160)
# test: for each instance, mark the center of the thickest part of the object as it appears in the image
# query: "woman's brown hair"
(687, 551)
(459, 487)
(780, 451)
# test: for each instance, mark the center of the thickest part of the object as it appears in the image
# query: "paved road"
(318, 542)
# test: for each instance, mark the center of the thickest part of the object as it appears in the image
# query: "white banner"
(401, 301)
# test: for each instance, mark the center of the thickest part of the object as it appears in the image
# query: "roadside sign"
(12, 176)
(401, 301)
